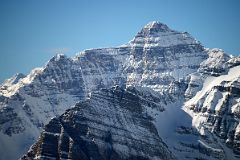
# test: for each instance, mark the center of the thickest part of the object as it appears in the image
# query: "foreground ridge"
(106, 126)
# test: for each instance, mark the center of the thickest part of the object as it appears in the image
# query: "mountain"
(112, 124)
(215, 107)
(161, 73)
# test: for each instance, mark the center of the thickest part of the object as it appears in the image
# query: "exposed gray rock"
(167, 105)
(155, 58)
(112, 124)
(216, 64)
(215, 110)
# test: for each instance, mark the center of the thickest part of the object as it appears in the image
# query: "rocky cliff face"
(214, 106)
(139, 123)
(156, 57)
(112, 124)
(178, 110)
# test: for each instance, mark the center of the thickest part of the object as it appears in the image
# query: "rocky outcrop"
(112, 124)
(215, 110)
(216, 64)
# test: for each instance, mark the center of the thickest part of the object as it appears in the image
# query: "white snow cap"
(156, 25)
(157, 34)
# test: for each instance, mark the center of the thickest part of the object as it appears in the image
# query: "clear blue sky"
(32, 31)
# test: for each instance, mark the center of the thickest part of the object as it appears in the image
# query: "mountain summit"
(155, 27)
(160, 96)
(160, 35)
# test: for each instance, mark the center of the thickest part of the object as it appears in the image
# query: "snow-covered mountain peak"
(217, 53)
(58, 61)
(216, 63)
(14, 79)
(156, 26)
(156, 34)
(12, 85)
(158, 59)
(58, 57)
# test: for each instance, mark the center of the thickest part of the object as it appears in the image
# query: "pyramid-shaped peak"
(158, 34)
(154, 29)
(156, 26)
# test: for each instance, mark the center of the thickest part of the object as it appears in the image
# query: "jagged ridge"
(112, 124)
